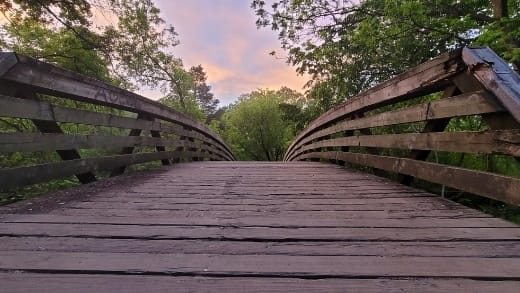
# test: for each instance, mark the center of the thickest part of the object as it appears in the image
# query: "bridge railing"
(404, 124)
(69, 114)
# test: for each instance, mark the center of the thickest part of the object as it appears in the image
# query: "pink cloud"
(223, 38)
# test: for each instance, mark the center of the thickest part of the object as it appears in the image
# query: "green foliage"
(57, 46)
(256, 127)
(189, 107)
(503, 35)
(349, 46)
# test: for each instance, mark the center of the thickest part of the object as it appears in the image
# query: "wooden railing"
(400, 125)
(129, 128)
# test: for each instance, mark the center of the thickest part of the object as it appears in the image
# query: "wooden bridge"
(205, 222)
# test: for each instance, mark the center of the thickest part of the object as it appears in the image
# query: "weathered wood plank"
(86, 283)
(487, 142)
(230, 232)
(21, 176)
(271, 222)
(503, 188)
(264, 265)
(316, 214)
(32, 142)
(461, 105)
(496, 76)
(363, 248)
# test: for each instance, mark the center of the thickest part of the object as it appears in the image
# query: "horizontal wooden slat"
(15, 177)
(462, 105)
(503, 188)
(462, 226)
(426, 78)
(263, 265)
(16, 282)
(48, 79)
(39, 110)
(500, 142)
(32, 142)
(197, 246)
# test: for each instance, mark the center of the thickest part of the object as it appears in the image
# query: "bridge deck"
(247, 226)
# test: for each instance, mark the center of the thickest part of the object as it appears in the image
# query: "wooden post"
(128, 150)
(53, 127)
(157, 134)
(436, 125)
(345, 148)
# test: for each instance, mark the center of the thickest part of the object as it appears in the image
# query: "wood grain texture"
(87, 283)
(487, 142)
(462, 105)
(254, 226)
(499, 187)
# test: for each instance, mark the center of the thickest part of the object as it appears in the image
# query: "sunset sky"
(221, 35)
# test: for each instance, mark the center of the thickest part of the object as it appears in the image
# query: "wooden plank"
(462, 105)
(22, 108)
(264, 265)
(426, 78)
(32, 142)
(49, 79)
(361, 248)
(487, 142)
(426, 202)
(17, 282)
(496, 76)
(268, 205)
(318, 214)
(15, 177)
(502, 188)
(260, 233)
(273, 222)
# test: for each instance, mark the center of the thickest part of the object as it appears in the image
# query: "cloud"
(223, 38)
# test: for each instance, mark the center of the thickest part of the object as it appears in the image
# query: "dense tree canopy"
(261, 124)
(348, 46)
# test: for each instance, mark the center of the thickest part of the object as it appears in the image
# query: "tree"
(203, 93)
(503, 35)
(255, 127)
(349, 46)
(58, 46)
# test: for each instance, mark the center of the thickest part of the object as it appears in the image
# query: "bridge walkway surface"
(253, 227)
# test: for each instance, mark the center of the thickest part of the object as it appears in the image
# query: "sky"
(221, 35)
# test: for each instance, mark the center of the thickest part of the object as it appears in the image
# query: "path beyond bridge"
(254, 227)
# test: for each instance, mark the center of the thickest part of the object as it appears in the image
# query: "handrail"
(473, 82)
(24, 85)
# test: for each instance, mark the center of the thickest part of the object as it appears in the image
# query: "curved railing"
(373, 128)
(45, 95)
